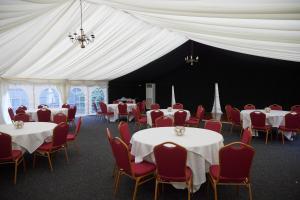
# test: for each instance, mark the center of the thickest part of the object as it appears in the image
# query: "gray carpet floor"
(275, 172)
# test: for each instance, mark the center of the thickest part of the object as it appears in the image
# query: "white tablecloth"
(166, 113)
(33, 113)
(31, 136)
(202, 145)
(114, 108)
(275, 118)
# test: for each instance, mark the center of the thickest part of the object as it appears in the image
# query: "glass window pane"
(97, 95)
(50, 97)
(18, 97)
(77, 98)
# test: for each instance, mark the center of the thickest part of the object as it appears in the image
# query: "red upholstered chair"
(20, 110)
(228, 109)
(22, 107)
(122, 107)
(139, 119)
(180, 118)
(164, 121)
(71, 114)
(247, 136)
(140, 172)
(155, 106)
(295, 108)
(275, 107)
(258, 121)
(171, 166)
(59, 140)
(141, 106)
(104, 112)
(71, 137)
(42, 106)
(9, 156)
(194, 121)
(292, 124)
(234, 168)
(44, 115)
(249, 107)
(59, 117)
(125, 133)
(11, 113)
(155, 114)
(236, 119)
(110, 138)
(177, 106)
(213, 125)
(65, 105)
(21, 117)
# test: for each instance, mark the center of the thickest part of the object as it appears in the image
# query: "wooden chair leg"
(282, 137)
(16, 172)
(250, 192)
(215, 191)
(267, 135)
(117, 182)
(66, 154)
(156, 189)
(49, 160)
(137, 181)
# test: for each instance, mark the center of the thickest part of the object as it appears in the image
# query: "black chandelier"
(81, 38)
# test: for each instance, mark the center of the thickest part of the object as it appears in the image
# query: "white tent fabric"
(216, 106)
(173, 101)
(269, 28)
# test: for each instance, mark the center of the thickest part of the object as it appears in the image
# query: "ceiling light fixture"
(81, 38)
(191, 59)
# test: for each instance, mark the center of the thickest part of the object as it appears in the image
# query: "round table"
(202, 145)
(31, 136)
(33, 113)
(166, 112)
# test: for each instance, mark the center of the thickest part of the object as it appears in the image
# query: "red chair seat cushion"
(143, 120)
(143, 168)
(262, 128)
(47, 146)
(214, 171)
(192, 121)
(15, 154)
(70, 136)
(188, 173)
(283, 128)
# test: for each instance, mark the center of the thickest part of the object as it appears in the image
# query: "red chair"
(11, 113)
(139, 119)
(59, 117)
(247, 136)
(258, 121)
(9, 156)
(275, 107)
(234, 168)
(164, 121)
(292, 124)
(249, 107)
(171, 166)
(20, 110)
(71, 114)
(22, 107)
(155, 106)
(65, 105)
(104, 112)
(177, 106)
(213, 125)
(141, 106)
(180, 118)
(110, 138)
(44, 115)
(22, 117)
(228, 109)
(155, 114)
(235, 119)
(125, 133)
(71, 137)
(295, 108)
(194, 121)
(122, 107)
(59, 142)
(42, 106)
(140, 172)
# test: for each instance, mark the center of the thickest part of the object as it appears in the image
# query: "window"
(97, 95)
(50, 97)
(18, 97)
(77, 98)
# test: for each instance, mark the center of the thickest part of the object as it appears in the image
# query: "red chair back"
(213, 125)
(22, 107)
(177, 106)
(20, 110)
(154, 115)
(235, 116)
(65, 105)
(122, 107)
(275, 107)
(121, 154)
(228, 109)
(295, 108)
(200, 112)
(170, 161)
(60, 133)
(125, 132)
(292, 121)
(249, 107)
(247, 136)
(72, 113)
(141, 106)
(136, 113)
(155, 106)
(59, 117)
(21, 117)
(103, 107)
(5, 146)
(235, 162)
(180, 117)
(44, 115)
(258, 119)
(11, 113)
(163, 121)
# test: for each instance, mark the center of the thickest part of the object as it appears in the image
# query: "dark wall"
(242, 79)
